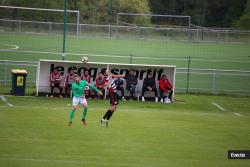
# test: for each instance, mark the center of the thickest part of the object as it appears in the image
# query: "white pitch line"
(12, 47)
(68, 161)
(113, 56)
(6, 101)
(235, 113)
(217, 105)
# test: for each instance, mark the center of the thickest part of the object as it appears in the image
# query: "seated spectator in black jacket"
(149, 84)
(131, 80)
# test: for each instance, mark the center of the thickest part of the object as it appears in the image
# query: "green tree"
(104, 11)
(134, 6)
(213, 13)
(216, 13)
(222, 13)
(244, 21)
(194, 8)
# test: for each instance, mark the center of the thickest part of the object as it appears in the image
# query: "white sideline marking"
(5, 100)
(235, 113)
(115, 56)
(35, 107)
(217, 105)
(67, 161)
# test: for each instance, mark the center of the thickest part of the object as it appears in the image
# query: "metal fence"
(7, 65)
(188, 80)
(195, 34)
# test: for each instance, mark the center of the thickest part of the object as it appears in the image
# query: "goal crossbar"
(41, 9)
(154, 15)
(45, 9)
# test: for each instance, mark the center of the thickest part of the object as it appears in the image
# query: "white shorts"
(77, 100)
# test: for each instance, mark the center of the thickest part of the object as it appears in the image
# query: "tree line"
(205, 13)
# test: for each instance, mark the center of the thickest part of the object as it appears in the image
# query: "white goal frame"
(52, 10)
(153, 15)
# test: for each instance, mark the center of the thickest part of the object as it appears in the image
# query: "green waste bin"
(18, 82)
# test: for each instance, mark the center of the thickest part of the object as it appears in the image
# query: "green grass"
(141, 48)
(203, 56)
(191, 132)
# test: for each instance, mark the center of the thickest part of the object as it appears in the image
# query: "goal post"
(48, 10)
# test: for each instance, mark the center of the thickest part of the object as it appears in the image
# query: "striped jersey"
(111, 84)
(99, 82)
(86, 78)
(70, 78)
(55, 77)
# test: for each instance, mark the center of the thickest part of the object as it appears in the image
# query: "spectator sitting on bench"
(149, 85)
(131, 80)
(165, 87)
(100, 84)
(56, 81)
(69, 79)
(86, 77)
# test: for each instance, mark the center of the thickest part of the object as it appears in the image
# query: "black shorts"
(69, 86)
(113, 97)
(57, 85)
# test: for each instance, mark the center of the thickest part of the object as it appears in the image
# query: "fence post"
(110, 17)
(5, 72)
(189, 34)
(64, 29)
(139, 33)
(109, 31)
(19, 25)
(197, 35)
(168, 34)
(202, 34)
(188, 73)
(227, 36)
(217, 37)
(213, 81)
(130, 58)
(80, 30)
(50, 27)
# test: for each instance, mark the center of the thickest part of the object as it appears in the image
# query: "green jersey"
(78, 89)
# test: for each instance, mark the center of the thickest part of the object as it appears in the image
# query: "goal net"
(37, 20)
(37, 14)
(153, 20)
(149, 26)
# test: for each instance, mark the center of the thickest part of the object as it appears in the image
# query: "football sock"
(84, 112)
(66, 90)
(72, 115)
(51, 90)
(110, 114)
(106, 114)
(60, 91)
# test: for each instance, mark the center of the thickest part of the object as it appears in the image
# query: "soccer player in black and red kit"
(110, 84)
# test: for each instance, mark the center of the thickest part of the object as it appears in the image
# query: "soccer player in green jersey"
(78, 88)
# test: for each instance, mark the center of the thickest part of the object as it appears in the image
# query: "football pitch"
(203, 55)
(194, 131)
(211, 56)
